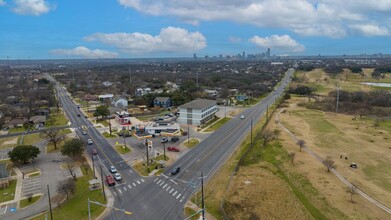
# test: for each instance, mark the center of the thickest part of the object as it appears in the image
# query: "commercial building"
(197, 112)
(122, 117)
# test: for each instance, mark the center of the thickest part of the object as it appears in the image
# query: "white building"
(197, 112)
(120, 102)
(156, 128)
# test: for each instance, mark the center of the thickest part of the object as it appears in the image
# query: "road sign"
(12, 209)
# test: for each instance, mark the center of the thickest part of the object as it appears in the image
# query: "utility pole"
(188, 134)
(164, 150)
(93, 165)
(89, 210)
(202, 194)
(123, 135)
(110, 126)
(267, 112)
(103, 185)
(146, 144)
(50, 204)
(251, 134)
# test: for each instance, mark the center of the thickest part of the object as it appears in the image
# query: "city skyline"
(46, 29)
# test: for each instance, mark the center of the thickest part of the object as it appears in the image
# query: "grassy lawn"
(210, 122)
(17, 130)
(8, 193)
(191, 143)
(66, 131)
(56, 119)
(191, 212)
(142, 167)
(218, 124)
(60, 144)
(8, 142)
(76, 207)
(25, 202)
(107, 135)
(31, 139)
(122, 149)
(103, 122)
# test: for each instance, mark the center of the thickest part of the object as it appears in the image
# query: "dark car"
(78, 115)
(164, 140)
(174, 139)
(175, 171)
(94, 152)
(110, 181)
(174, 149)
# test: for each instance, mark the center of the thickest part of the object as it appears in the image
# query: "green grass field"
(191, 143)
(8, 193)
(218, 124)
(25, 202)
(107, 135)
(122, 149)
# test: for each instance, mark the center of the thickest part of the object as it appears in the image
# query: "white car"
(112, 169)
(117, 176)
(242, 117)
(89, 141)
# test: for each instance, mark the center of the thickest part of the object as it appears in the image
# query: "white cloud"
(85, 53)
(283, 43)
(233, 39)
(170, 39)
(31, 7)
(2, 2)
(332, 18)
(370, 30)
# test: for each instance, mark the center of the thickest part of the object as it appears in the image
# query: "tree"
(53, 136)
(329, 163)
(23, 153)
(267, 136)
(276, 133)
(301, 143)
(352, 190)
(29, 197)
(66, 187)
(102, 110)
(71, 169)
(73, 148)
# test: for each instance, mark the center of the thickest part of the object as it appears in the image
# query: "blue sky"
(41, 29)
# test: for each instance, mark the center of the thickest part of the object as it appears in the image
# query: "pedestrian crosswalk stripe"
(129, 186)
(165, 186)
(134, 184)
(171, 190)
(174, 193)
(178, 196)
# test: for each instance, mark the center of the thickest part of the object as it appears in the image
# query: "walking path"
(334, 171)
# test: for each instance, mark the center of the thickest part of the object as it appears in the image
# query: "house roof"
(198, 104)
(16, 121)
(162, 99)
(38, 119)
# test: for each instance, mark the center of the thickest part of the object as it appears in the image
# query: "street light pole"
(93, 165)
(202, 194)
(188, 134)
(50, 204)
(146, 144)
(103, 185)
(164, 150)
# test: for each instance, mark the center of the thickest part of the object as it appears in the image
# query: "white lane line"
(168, 188)
(183, 197)
(138, 182)
(129, 186)
(119, 190)
(124, 188)
(154, 180)
(161, 183)
(165, 185)
(134, 184)
(173, 182)
(171, 190)
(142, 180)
(164, 175)
(158, 181)
(174, 193)
(178, 196)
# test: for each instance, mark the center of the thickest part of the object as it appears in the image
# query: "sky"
(56, 29)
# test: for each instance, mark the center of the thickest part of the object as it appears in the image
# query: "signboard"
(12, 209)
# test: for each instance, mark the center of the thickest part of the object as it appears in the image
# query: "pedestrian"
(340, 157)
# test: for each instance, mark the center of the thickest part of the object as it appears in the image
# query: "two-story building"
(122, 117)
(197, 112)
(163, 102)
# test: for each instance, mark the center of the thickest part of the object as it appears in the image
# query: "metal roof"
(198, 104)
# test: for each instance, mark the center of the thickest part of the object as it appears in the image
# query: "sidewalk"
(18, 189)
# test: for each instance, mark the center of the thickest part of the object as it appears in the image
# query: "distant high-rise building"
(220, 56)
(194, 56)
(268, 53)
(244, 55)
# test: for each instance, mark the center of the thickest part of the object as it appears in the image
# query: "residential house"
(197, 112)
(16, 122)
(105, 97)
(42, 111)
(163, 102)
(107, 83)
(142, 91)
(38, 120)
(211, 92)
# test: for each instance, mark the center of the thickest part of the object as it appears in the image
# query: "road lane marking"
(142, 180)
(173, 181)
(129, 186)
(134, 184)
(183, 197)
(164, 175)
(178, 196)
(125, 188)
(168, 188)
(161, 183)
(155, 179)
(158, 181)
(138, 182)
(171, 190)
(174, 193)
(165, 185)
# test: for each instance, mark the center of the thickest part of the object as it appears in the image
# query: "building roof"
(162, 99)
(106, 96)
(198, 104)
(38, 119)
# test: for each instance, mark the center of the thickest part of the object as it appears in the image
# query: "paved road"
(164, 197)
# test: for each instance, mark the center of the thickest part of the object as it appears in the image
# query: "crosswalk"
(164, 184)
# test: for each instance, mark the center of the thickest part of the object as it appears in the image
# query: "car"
(164, 140)
(175, 171)
(94, 152)
(84, 132)
(174, 149)
(89, 141)
(117, 176)
(85, 116)
(242, 117)
(174, 139)
(113, 169)
(78, 115)
(110, 181)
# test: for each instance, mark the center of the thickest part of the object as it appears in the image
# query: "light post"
(164, 151)
(93, 165)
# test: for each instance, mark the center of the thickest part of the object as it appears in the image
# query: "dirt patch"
(8, 142)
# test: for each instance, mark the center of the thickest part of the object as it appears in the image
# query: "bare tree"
(71, 168)
(53, 136)
(57, 199)
(267, 136)
(329, 163)
(352, 190)
(86, 167)
(277, 133)
(301, 143)
(292, 156)
(66, 187)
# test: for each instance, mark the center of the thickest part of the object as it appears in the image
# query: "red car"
(110, 180)
(173, 149)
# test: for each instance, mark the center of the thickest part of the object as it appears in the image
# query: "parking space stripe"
(158, 181)
(161, 183)
(138, 182)
(142, 180)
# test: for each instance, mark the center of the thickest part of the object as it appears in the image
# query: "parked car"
(117, 176)
(113, 169)
(174, 139)
(110, 181)
(89, 141)
(164, 140)
(174, 149)
(175, 171)
(242, 117)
